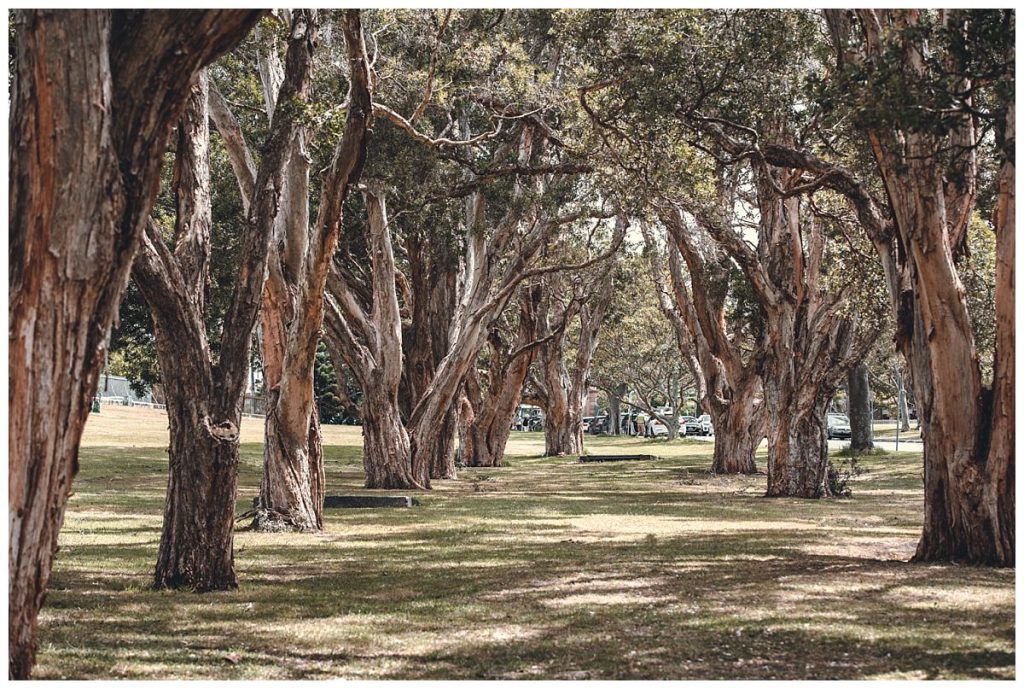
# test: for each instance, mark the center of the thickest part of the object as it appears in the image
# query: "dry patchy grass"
(544, 569)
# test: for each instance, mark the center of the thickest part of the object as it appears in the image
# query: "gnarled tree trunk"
(729, 384)
(386, 452)
(291, 493)
(798, 454)
(204, 397)
(197, 540)
(739, 428)
(372, 347)
(433, 277)
(930, 182)
(564, 391)
(94, 98)
(493, 412)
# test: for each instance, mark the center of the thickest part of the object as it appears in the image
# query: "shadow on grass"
(560, 570)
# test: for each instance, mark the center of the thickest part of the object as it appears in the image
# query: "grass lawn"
(545, 569)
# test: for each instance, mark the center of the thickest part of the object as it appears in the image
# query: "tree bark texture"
(433, 278)
(728, 383)
(859, 395)
(798, 450)
(372, 347)
(291, 491)
(739, 428)
(967, 429)
(615, 396)
(94, 97)
(493, 411)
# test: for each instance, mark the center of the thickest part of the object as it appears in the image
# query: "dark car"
(598, 425)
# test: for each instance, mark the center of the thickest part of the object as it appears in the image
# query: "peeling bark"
(94, 99)
(291, 493)
(371, 345)
(967, 430)
(493, 411)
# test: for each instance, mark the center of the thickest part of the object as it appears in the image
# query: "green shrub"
(841, 473)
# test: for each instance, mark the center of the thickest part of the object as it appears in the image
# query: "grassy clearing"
(544, 569)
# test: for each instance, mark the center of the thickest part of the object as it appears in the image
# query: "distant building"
(117, 390)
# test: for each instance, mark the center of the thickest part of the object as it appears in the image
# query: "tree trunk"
(859, 403)
(433, 276)
(197, 540)
(739, 428)
(488, 431)
(375, 355)
(902, 411)
(798, 453)
(492, 415)
(292, 491)
(442, 461)
(82, 182)
(203, 400)
(291, 494)
(967, 429)
(614, 405)
(386, 452)
(563, 428)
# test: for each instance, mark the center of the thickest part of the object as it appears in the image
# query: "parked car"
(655, 428)
(837, 426)
(587, 420)
(707, 428)
(692, 425)
(598, 425)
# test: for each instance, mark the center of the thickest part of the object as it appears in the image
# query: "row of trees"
(443, 199)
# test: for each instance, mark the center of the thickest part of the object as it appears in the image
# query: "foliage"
(840, 473)
(325, 388)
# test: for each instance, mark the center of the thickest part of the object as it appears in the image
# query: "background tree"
(583, 298)
(493, 402)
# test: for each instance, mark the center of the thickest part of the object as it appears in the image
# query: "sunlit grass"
(545, 569)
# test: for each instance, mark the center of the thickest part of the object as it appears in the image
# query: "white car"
(655, 428)
(707, 428)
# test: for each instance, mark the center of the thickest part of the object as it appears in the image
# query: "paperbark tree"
(432, 297)
(812, 331)
(929, 172)
(291, 493)
(94, 97)
(292, 490)
(728, 381)
(203, 394)
(564, 390)
(371, 345)
(492, 410)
